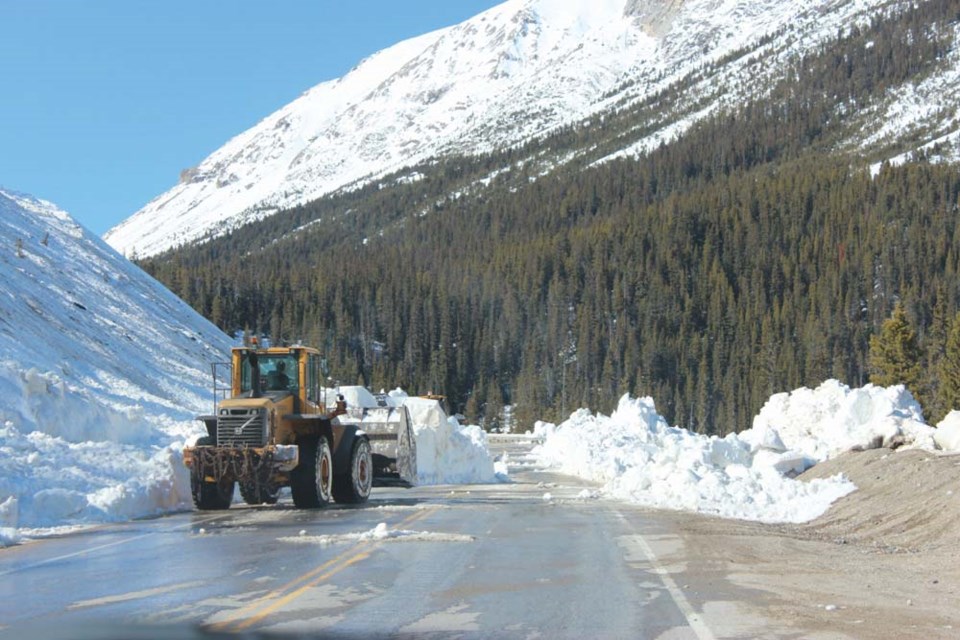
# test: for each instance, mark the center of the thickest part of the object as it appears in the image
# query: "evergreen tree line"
(746, 258)
(898, 357)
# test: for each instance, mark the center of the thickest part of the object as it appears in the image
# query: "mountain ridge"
(518, 71)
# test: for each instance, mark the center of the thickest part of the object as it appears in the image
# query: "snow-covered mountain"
(516, 72)
(102, 371)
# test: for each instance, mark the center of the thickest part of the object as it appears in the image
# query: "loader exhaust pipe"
(255, 389)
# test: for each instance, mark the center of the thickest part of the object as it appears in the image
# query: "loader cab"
(278, 373)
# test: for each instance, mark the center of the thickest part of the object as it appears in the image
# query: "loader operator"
(277, 380)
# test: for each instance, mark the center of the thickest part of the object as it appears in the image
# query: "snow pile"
(447, 452)
(354, 396)
(8, 522)
(947, 435)
(640, 458)
(834, 418)
(101, 373)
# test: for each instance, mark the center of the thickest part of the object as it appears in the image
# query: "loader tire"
(311, 481)
(208, 496)
(353, 487)
(259, 492)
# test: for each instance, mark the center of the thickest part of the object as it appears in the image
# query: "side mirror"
(324, 367)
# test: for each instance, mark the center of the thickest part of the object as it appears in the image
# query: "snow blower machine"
(274, 426)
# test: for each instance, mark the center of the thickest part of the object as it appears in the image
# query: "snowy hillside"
(517, 71)
(102, 371)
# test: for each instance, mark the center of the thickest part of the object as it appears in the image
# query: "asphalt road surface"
(539, 557)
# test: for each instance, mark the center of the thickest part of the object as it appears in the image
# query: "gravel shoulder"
(883, 562)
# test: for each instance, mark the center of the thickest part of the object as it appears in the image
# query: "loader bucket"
(392, 444)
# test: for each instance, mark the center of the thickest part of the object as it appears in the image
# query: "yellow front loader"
(273, 427)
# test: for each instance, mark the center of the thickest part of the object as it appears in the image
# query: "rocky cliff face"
(656, 16)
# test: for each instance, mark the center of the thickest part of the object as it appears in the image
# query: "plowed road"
(535, 558)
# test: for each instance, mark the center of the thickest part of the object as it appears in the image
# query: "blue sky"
(103, 102)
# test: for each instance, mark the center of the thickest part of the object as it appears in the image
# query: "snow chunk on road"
(380, 533)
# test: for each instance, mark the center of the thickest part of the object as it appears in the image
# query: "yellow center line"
(257, 610)
(293, 595)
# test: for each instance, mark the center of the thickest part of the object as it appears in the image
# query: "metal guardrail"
(514, 437)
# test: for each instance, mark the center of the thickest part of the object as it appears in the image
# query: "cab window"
(277, 373)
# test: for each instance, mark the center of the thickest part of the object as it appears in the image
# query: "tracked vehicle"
(274, 426)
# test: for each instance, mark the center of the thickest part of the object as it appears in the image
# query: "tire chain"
(227, 463)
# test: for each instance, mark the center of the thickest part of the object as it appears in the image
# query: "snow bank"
(101, 373)
(640, 458)
(834, 418)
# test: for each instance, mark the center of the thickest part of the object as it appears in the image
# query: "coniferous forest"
(755, 254)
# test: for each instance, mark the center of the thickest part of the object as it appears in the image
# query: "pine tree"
(935, 342)
(895, 355)
(950, 368)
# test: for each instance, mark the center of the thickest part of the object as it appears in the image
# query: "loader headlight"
(285, 452)
(287, 455)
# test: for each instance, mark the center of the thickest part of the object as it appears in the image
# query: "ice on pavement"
(640, 458)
